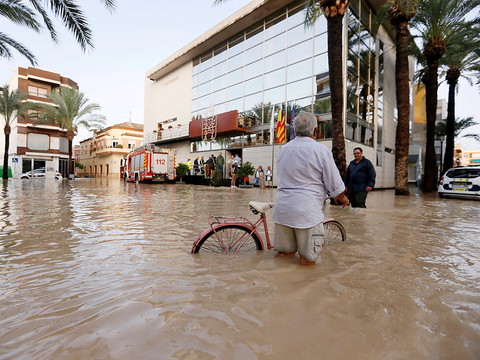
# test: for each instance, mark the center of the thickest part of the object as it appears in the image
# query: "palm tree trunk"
(70, 160)
(7, 131)
(335, 61)
(402, 137)
(452, 78)
(431, 89)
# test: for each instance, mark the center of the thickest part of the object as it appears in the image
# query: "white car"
(462, 181)
(38, 173)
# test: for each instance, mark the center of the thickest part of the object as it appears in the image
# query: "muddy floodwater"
(97, 269)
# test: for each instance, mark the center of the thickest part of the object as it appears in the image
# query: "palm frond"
(6, 41)
(15, 11)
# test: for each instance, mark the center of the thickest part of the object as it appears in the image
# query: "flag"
(272, 126)
(281, 139)
(292, 133)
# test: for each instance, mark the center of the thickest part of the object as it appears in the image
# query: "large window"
(37, 91)
(38, 142)
(278, 61)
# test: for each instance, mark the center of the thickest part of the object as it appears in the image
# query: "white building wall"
(174, 92)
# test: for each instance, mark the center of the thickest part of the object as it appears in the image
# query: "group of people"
(263, 178)
(203, 167)
(307, 173)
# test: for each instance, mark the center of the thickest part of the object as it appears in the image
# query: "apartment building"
(102, 155)
(33, 145)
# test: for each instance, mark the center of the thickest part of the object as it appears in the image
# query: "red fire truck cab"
(150, 163)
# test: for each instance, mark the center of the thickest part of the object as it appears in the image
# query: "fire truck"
(150, 163)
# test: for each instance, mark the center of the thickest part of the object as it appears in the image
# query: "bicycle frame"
(219, 222)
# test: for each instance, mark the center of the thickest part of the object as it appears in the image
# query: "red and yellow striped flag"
(281, 138)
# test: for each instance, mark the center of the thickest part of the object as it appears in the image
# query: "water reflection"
(101, 269)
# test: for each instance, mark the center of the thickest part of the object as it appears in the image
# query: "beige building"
(33, 145)
(103, 154)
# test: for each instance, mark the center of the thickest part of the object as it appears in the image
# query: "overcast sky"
(131, 41)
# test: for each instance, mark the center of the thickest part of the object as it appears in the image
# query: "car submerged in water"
(461, 182)
(38, 173)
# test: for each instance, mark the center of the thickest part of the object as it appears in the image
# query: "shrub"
(182, 170)
(245, 170)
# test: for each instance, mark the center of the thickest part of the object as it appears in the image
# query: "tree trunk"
(431, 89)
(335, 65)
(452, 78)
(402, 137)
(7, 130)
(71, 161)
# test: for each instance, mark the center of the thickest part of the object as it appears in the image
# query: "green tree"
(459, 126)
(439, 25)
(399, 13)
(460, 60)
(70, 13)
(70, 109)
(11, 104)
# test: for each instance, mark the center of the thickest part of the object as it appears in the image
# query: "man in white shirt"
(306, 172)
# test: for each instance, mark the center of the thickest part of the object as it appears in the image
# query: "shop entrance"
(29, 164)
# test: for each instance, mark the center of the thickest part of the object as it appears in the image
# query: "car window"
(463, 173)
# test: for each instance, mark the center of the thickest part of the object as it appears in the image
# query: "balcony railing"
(168, 134)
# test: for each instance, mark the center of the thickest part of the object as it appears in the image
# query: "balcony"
(168, 135)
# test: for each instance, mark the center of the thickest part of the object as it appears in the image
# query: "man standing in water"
(306, 172)
(360, 178)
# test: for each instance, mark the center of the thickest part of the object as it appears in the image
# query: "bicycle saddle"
(260, 207)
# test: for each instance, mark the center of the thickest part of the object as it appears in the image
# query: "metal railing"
(168, 134)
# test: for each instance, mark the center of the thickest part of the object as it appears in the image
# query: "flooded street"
(99, 269)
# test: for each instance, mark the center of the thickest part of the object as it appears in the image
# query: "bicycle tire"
(235, 239)
(334, 232)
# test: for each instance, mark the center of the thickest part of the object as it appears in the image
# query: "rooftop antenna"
(130, 118)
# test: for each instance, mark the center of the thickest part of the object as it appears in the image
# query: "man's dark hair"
(358, 148)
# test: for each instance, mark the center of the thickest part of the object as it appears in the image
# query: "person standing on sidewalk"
(360, 178)
(306, 172)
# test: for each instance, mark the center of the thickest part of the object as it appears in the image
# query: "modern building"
(33, 145)
(102, 155)
(230, 86)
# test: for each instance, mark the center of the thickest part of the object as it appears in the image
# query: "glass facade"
(279, 62)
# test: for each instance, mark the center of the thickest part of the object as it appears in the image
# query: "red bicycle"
(227, 234)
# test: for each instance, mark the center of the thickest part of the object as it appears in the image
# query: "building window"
(37, 91)
(115, 143)
(63, 145)
(38, 141)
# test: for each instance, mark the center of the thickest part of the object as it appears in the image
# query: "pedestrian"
(258, 175)
(238, 159)
(202, 166)
(190, 166)
(220, 163)
(234, 174)
(360, 179)
(209, 166)
(306, 173)
(231, 161)
(196, 166)
(269, 177)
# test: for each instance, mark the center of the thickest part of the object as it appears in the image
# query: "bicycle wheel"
(229, 239)
(334, 232)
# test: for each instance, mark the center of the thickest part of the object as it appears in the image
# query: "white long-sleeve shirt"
(306, 172)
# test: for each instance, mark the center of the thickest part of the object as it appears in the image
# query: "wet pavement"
(99, 269)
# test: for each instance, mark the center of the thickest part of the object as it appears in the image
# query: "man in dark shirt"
(360, 179)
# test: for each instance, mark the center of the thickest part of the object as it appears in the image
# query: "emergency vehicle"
(150, 163)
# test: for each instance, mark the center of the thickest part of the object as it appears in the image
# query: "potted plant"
(182, 170)
(244, 171)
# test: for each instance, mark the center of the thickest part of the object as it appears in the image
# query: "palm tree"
(399, 13)
(11, 104)
(69, 12)
(460, 59)
(334, 11)
(440, 24)
(70, 109)
(459, 126)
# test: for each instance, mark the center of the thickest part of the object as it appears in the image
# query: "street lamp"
(440, 137)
